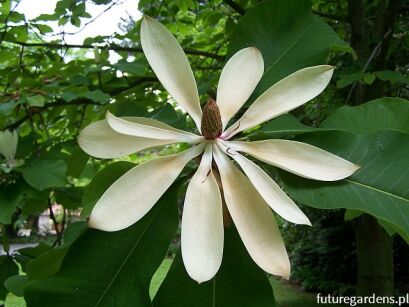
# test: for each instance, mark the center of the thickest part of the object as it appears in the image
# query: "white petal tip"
(255, 50)
(284, 272)
(201, 277)
(102, 225)
(108, 114)
(304, 221)
(349, 171)
(201, 280)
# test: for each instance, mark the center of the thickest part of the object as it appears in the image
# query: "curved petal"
(253, 218)
(238, 80)
(202, 223)
(130, 197)
(271, 192)
(299, 158)
(284, 96)
(171, 66)
(101, 141)
(154, 132)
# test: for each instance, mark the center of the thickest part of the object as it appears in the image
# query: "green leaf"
(368, 78)
(10, 197)
(101, 182)
(76, 162)
(135, 68)
(7, 268)
(168, 115)
(394, 77)
(75, 21)
(48, 261)
(43, 28)
(344, 48)
(111, 268)
(43, 174)
(349, 79)
(7, 108)
(97, 96)
(379, 188)
(15, 284)
(284, 125)
(239, 282)
(70, 197)
(375, 115)
(288, 35)
(36, 101)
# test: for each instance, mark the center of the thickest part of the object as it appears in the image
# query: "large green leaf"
(49, 260)
(379, 188)
(7, 268)
(239, 282)
(288, 35)
(284, 125)
(43, 174)
(379, 114)
(111, 268)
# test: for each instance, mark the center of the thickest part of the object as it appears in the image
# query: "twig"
(371, 57)
(114, 48)
(78, 102)
(235, 6)
(329, 16)
(55, 223)
(88, 22)
(3, 34)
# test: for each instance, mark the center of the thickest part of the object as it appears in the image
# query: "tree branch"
(77, 102)
(235, 6)
(329, 16)
(112, 47)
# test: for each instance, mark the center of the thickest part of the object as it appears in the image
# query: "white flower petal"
(299, 158)
(8, 144)
(202, 223)
(130, 197)
(101, 141)
(284, 96)
(154, 132)
(253, 218)
(238, 80)
(271, 192)
(171, 66)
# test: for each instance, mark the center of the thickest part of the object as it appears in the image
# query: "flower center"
(211, 121)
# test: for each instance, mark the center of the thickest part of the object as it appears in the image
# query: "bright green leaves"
(239, 282)
(43, 174)
(35, 101)
(288, 36)
(111, 268)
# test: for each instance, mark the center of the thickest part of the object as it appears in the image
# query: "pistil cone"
(211, 121)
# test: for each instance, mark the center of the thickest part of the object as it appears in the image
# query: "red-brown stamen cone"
(211, 121)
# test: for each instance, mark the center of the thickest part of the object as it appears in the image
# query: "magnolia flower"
(8, 148)
(249, 195)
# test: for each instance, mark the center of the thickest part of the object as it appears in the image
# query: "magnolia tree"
(201, 115)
